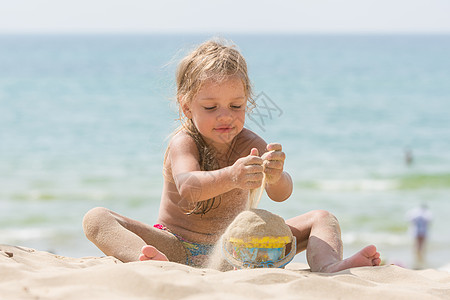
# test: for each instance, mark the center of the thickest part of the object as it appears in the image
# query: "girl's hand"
(247, 171)
(273, 162)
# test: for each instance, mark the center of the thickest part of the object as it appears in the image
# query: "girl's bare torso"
(206, 228)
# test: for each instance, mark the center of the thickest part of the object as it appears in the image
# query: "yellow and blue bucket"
(259, 252)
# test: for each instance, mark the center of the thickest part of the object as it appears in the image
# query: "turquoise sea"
(84, 122)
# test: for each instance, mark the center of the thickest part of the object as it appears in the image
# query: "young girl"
(210, 165)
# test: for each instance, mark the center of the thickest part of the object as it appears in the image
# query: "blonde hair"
(212, 60)
(215, 60)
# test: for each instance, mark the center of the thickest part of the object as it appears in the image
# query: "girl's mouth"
(223, 129)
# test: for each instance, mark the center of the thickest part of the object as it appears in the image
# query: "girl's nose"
(224, 114)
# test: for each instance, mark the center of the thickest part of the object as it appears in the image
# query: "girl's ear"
(187, 111)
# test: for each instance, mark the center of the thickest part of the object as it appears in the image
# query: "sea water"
(84, 122)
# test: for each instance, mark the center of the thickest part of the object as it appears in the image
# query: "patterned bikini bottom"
(197, 255)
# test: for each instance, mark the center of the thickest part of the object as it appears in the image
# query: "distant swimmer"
(420, 219)
(409, 157)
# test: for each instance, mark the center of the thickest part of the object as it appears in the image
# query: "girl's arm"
(280, 190)
(195, 185)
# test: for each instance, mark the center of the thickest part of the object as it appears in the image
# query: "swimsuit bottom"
(197, 255)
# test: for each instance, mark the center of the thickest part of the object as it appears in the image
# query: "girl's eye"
(236, 106)
(209, 108)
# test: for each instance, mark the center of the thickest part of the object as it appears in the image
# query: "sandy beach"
(31, 274)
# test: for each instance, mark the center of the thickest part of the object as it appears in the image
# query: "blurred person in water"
(420, 219)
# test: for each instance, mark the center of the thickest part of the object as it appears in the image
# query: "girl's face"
(218, 110)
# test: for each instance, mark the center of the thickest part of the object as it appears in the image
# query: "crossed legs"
(129, 240)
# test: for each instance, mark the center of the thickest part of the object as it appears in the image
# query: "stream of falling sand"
(256, 194)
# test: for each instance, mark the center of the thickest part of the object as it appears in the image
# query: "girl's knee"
(94, 219)
(325, 216)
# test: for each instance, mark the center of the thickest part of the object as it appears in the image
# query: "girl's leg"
(124, 238)
(319, 233)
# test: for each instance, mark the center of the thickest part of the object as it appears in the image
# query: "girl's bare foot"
(151, 253)
(366, 257)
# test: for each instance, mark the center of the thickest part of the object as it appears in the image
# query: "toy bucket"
(259, 252)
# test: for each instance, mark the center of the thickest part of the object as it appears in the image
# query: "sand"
(257, 223)
(255, 195)
(30, 274)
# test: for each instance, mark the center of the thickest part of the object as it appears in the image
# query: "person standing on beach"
(420, 219)
(210, 165)
(409, 159)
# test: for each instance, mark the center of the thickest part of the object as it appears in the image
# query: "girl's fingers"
(253, 184)
(273, 164)
(274, 147)
(256, 176)
(254, 160)
(254, 180)
(274, 155)
(254, 152)
(254, 169)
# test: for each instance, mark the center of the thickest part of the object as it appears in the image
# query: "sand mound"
(257, 223)
(249, 224)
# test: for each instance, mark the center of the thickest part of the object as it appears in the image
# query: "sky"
(231, 16)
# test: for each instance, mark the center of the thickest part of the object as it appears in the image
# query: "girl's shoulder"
(180, 136)
(182, 140)
(247, 139)
(247, 134)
